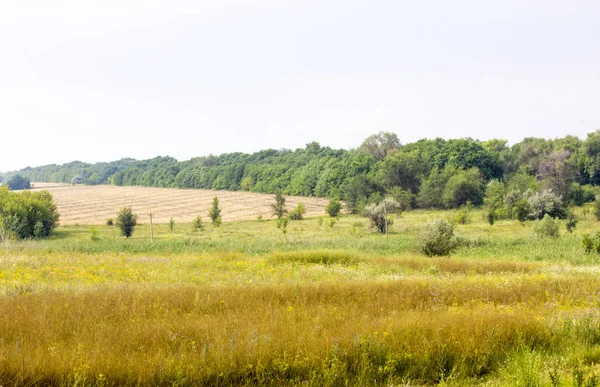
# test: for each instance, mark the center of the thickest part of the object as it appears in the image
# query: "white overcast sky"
(102, 80)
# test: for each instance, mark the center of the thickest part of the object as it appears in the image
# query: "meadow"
(327, 304)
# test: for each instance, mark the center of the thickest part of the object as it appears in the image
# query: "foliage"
(462, 215)
(171, 225)
(591, 243)
(546, 227)
(405, 199)
(333, 208)
(546, 202)
(126, 221)
(380, 214)
(197, 224)
(26, 214)
(279, 209)
(571, 221)
(380, 145)
(298, 212)
(17, 182)
(522, 209)
(110, 222)
(597, 209)
(437, 238)
(494, 200)
(440, 173)
(214, 213)
(464, 186)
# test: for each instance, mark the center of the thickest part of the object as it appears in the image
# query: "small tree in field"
(379, 214)
(171, 225)
(334, 207)
(298, 212)
(215, 213)
(197, 224)
(278, 207)
(126, 221)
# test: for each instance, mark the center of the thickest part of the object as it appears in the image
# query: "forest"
(428, 173)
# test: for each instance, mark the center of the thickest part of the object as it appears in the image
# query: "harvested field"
(82, 204)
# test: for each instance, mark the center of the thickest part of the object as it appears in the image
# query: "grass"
(244, 304)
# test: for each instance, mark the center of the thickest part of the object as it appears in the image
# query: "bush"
(126, 221)
(462, 215)
(171, 225)
(17, 182)
(546, 227)
(546, 202)
(571, 222)
(521, 209)
(378, 214)
(197, 223)
(298, 212)
(215, 213)
(26, 214)
(437, 238)
(110, 222)
(591, 243)
(334, 207)
(597, 209)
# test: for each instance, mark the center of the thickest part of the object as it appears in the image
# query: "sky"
(104, 80)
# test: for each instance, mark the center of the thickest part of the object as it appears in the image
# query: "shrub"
(546, 202)
(597, 209)
(522, 209)
(197, 223)
(26, 214)
(591, 243)
(110, 222)
(334, 207)
(126, 221)
(462, 215)
(546, 227)
(171, 225)
(437, 238)
(571, 222)
(278, 207)
(17, 182)
(378, 214)
(215, 213)
(298, 212)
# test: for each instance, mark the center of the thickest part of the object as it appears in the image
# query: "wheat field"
(81, 204)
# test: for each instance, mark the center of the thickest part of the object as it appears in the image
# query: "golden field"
(327, 304)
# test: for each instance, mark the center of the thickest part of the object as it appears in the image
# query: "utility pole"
(151, 232)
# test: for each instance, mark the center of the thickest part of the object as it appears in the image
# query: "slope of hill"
(95, 204)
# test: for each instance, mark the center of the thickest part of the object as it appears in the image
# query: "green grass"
(244, 304)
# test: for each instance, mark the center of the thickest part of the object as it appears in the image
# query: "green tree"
(26, 214)
(126, 221)
(334, 207)
(380, 214)
(215, 213)
(381, 144)
(462, 187)
(279, 209)
(298, 212)
(18, 182)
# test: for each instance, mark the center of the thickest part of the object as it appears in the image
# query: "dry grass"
(95, 204)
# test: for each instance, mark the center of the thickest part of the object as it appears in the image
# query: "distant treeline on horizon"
(418, 173)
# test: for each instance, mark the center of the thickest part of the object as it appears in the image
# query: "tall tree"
(381, 144)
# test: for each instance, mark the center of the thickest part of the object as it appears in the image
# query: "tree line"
(428, 173)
